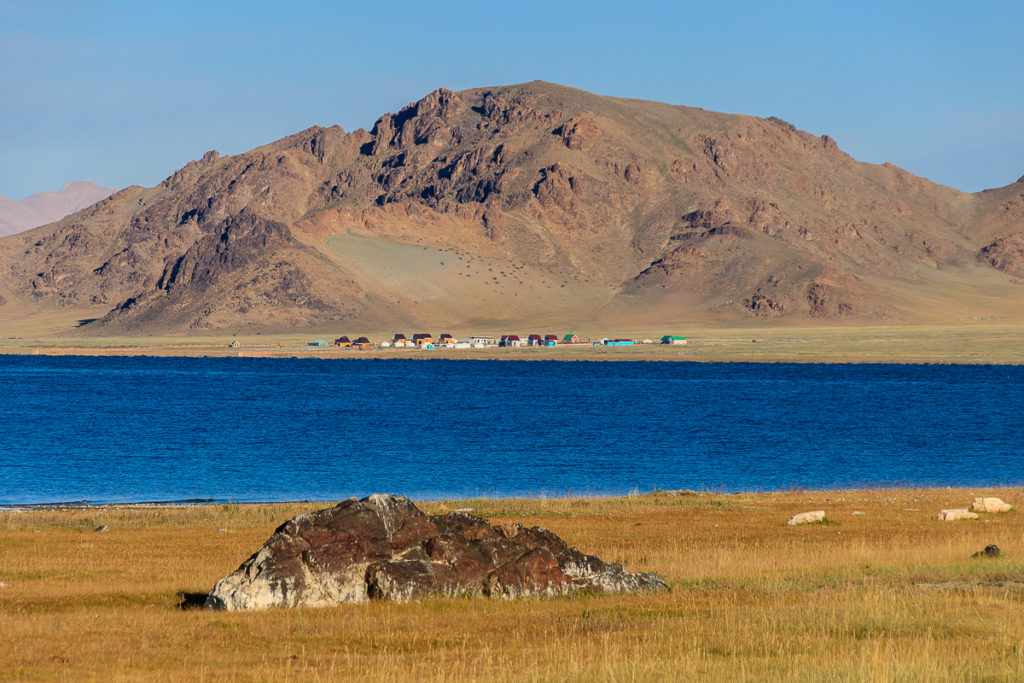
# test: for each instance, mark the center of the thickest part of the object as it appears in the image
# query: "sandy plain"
(978, 341)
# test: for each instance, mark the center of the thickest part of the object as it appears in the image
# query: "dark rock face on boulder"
(989, 551)
(383, 547)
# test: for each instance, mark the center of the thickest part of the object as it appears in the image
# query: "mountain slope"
(535, 203)
(46, 207)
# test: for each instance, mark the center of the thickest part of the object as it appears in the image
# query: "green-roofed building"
(673, 339)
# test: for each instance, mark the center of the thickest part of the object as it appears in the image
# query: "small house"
(343, 341)
(482, 339)
(422, 338)
(509, 340)
(317, 342)
(235, 344)
(570, 339)
(399, 339)
(550, 339)
(673, 339)
(446, 338)
(362, 344)
(534, 340)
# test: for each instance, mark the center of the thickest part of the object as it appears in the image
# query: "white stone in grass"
(806, 517)
(955, 514)
(990, 505)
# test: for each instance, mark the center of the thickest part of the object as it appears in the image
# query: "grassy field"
(982, 341)
(892, 594)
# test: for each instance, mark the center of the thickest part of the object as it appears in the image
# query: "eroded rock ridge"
(524, 205)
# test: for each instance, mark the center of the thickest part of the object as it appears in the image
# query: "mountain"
(531, 204)
(47, 207)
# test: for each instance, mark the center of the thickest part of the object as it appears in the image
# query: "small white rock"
(806, 517)
(990, 505)
(954, 514)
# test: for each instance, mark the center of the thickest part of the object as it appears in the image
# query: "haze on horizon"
(125, 93)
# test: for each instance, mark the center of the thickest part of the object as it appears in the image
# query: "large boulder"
(990, 505)
(384, 547)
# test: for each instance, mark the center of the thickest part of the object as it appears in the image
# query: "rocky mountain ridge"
(533, 202)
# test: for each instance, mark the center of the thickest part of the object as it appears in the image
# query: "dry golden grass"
(891, 595)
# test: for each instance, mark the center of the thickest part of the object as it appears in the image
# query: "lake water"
(239, 429)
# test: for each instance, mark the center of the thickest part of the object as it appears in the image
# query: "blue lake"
(143, 429)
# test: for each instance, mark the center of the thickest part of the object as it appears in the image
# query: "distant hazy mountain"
(535, 207)
(47, 207)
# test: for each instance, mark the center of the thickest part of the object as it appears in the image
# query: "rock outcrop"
(385, 548)
(990, 505)
(955, 514)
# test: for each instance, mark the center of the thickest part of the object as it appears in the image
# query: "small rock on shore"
(807, 517)
(990, 505)
(955, 514)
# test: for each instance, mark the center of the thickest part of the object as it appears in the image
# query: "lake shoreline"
(977, 342)
(503, 355)
(518, 499)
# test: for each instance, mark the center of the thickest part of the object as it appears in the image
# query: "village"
(426, 341)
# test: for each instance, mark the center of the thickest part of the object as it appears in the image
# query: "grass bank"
(980, 341)
(890, 594)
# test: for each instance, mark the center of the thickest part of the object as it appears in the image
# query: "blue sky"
(126, 92)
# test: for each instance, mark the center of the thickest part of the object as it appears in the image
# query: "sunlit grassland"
(892, 594)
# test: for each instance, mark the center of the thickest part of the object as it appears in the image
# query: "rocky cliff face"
(528, 203)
